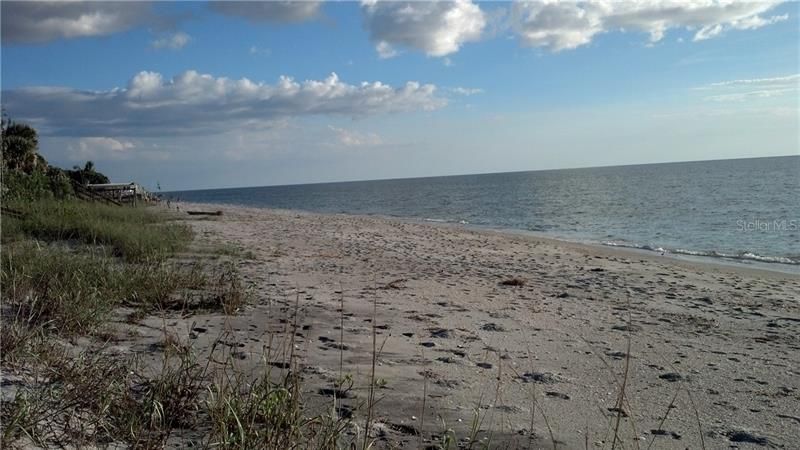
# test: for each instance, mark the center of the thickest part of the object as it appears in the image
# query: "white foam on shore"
(744, 256)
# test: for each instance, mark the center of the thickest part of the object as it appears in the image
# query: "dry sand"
(714, 348)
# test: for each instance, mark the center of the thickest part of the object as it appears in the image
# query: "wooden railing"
(12, 213)
(85, 194)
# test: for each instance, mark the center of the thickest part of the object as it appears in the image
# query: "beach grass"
(135, 234)
(67, 267)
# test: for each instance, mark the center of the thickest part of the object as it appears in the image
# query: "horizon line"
(479, 174)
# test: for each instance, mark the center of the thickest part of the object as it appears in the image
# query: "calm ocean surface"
(745, 211)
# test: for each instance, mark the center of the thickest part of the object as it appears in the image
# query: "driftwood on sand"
(204, 213)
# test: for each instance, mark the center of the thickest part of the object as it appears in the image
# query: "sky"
(192, 95)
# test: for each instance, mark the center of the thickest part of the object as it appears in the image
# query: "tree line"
(26, 174)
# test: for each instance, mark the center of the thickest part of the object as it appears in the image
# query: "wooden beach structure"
(120, 193)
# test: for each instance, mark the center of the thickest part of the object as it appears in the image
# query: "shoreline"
(713, 347)
(709, 262)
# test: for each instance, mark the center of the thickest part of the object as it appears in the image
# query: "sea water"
(745, 210)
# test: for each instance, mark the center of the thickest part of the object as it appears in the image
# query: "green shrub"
(23, 187)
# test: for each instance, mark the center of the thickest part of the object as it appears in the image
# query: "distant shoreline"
(737, 212)
(456, 175)
(702, 262)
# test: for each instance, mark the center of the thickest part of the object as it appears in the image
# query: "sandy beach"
(713, 350)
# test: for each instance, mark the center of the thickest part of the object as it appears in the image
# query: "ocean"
(744, 211)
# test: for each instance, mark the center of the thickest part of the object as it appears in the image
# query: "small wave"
(743, 256)
(462, 222)
(775, 259)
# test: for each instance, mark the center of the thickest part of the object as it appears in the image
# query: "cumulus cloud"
(560, 26)
(32, 22)
(351, 138)
(194, 103)
(270, 11)
(753, 88)
(100, 148)
(385, 50)
(436, 28)
(175, 41)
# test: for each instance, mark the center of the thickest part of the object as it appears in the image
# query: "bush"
(60, 184)
(23, 187)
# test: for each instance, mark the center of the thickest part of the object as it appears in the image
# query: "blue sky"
(155, 92)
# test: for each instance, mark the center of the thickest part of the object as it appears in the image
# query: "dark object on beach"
(339, 393)
(743, 436)
(402, 428)
(513, 282)
(540, 377)
(629, 328)
(204, 213)
(396, 284)
(440, 333)
(660, 432)
(491, 326)
(621, 411)
(671, 377)
(617, 355)
(557, 395)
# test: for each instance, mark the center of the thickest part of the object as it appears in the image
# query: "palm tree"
(20, 145)
(87, 174)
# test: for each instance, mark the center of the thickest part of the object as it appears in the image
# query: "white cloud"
(784, 80)
(194, 103)
(466, 91)
(175, 41)
(29, 21)
(385, 50)
(350, 138)
(259, 51)
(104, 148)
(751, 89)
(741, 96)
(436, 28)
(269, 11)
(100, 148)
(567, 25)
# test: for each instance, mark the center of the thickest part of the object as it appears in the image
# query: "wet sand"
(715, 349)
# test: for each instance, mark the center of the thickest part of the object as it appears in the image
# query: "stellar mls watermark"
(768, 225)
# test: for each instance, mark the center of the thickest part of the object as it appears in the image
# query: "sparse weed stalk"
(70, 399)
(266, 412)
(448, 438)
(231, 292)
